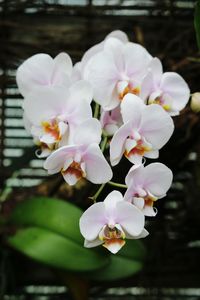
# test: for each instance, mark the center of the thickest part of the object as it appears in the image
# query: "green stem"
(117, 184)
(96, 195)
(96, 111)
(104, 143)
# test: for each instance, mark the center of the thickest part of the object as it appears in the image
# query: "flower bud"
(195, 102)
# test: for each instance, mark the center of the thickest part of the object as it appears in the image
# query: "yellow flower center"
(129, 90)
(52, 128)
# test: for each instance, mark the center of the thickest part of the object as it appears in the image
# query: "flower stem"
(96, 111)
(104, 143)
(94, 198)
(117, 184)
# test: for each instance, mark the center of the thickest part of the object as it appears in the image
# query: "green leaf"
(197, 22)
(49, 213)
(55, 250)
(128, 261)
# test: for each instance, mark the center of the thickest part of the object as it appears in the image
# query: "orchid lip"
(140, 149)
(74, 169)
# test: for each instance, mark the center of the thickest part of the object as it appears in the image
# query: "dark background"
(166, 29)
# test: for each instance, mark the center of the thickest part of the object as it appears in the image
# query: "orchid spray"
(134, 103)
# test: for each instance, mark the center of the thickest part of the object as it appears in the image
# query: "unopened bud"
(195, 102)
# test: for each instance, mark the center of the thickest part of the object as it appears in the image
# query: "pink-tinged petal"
(147, 86)
(92, 221)
(90, 53)
(110, 206)
(88, 132)
(76, 72)
(131, 109)
(91, 244)
(130, 218)
(34, 72)
(117, 145)
(82, 90)
(156, 68)
(111, 102)
(57, 159)
(156, 125)
(97, 168)
(174, 85)
(118, 34)
(136, 59)
(63, 64)
(134, 175)
(50, 102)
(115, 48)
(97, 67)
(157, 179)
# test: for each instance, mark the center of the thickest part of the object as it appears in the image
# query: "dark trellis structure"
(166, 29)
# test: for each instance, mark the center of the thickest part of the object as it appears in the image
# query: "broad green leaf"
(128, 261)
(55, 250)
(49, 213)
(197, 22)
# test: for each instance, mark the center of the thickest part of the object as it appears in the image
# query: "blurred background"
(166, 29)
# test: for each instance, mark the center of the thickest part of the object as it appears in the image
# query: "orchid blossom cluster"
(134, 104)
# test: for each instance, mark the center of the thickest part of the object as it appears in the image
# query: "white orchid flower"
(83, 158)
(146, 185)
(52, 114)
(110, 222)
(166, 89)
(146, 129)
(116, 70)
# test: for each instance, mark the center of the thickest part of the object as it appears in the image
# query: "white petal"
(130, 218)
(136, 59)
(63, 64)
(157, 70)
(131, 109)
(110, 206)
(147, 86)
(174, 85)
(101, 72)
(88, 132)
(156, 125)
(97, 168)
(82, 90)
(152, 154)
(117, 144)
(92, 221)
(58, 158)
(118, 34)
(50, 102)
(34, 72)
(71, 179)
(91, 244)
(149, 211)
(157, 179)
(139, 202)
(134, 175)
